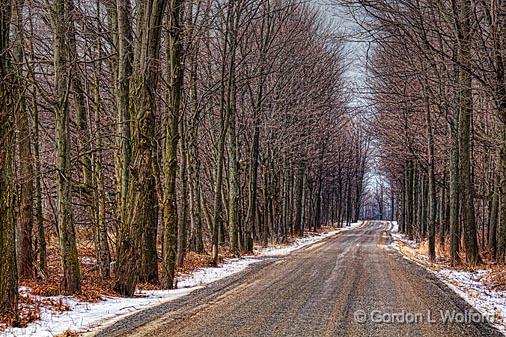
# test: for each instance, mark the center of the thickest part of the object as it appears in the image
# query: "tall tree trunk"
(68, 247)
(455, 188)
(233, 151)
(443, 218)
(454, 196)
(501, 240)
(124, 73)
(493, 219)
(26, 190)
(217, 209)
(402, 224)
(227, 92)
(141, 188)
(409, 200)
(175, 71)
(464, 131)
(233, 183)
(392, 206)
(299, 195)
(182, 227)
(432, 186)
(253, 178)
(500, 45)
(101, 239)
(8, 271)
(196, 235)
(39, 220)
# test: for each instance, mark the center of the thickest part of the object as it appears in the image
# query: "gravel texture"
(350, 284)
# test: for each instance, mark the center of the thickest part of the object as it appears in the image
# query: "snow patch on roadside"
(85, 317)
(398, 238)
(305, 241)
(467, 284)
(394, 226)
(471, 287)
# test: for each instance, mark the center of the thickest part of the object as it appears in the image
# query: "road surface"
(351, 284)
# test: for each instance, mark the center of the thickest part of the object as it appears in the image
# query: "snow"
(467, 284)
(394, 228)
(305, 241)
(85, 317)
(398, 237)
(470, 286)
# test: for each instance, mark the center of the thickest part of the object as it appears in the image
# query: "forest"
(141, 137)
(143, 131)
(438, 88)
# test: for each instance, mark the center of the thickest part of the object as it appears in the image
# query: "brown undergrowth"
(44, 291)
(496, 276)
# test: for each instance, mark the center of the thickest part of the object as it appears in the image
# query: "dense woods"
(439, 91)
(144, 130)
(138, 134)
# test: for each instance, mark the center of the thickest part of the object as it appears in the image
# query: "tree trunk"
(101, 239)
(124, 74)
(227, 94)
(233, 151)
(141, 194)
(233, 171)
(182, 228)
(299, 194)
(175, 73)
(8, 271)
(501, 112)
(443, 219)
(26, 187)
(432, 187)
(39, 219)
(196, 235)
(493, 218)
(409, 201)
(40, 243)
(464, 131)
(68, 248)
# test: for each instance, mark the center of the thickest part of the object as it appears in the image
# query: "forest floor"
(45, 313)
(484, 286)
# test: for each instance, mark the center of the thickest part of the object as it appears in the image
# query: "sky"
(357, 49)
(356, 46)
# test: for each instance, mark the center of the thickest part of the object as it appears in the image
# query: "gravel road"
(350, 284)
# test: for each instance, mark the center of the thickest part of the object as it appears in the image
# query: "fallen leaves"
(496, 279)
(68, 333)
(194, 261)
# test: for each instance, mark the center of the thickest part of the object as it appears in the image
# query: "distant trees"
(146, 130)
(433, 71)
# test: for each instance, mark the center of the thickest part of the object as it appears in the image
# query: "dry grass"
(495, 280)
(68, 333)
(93, 287)
(194, 261)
